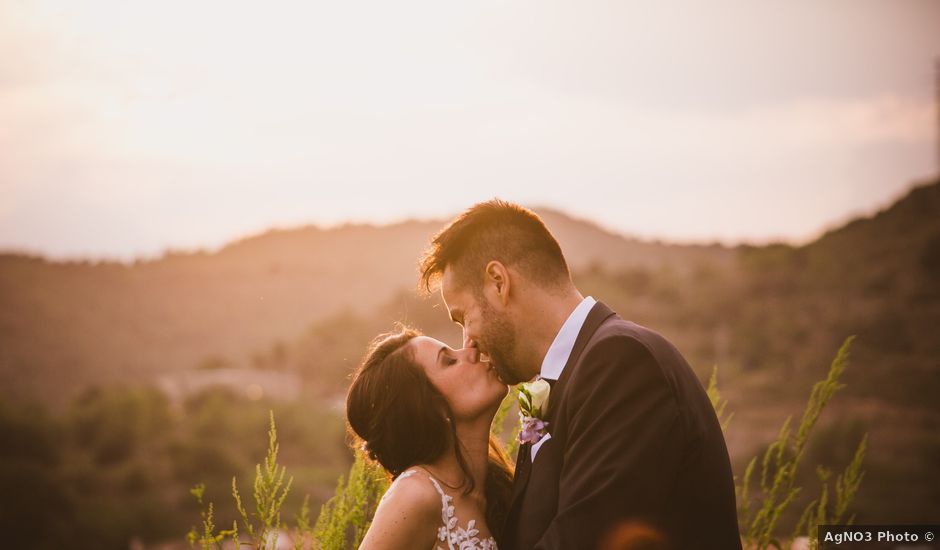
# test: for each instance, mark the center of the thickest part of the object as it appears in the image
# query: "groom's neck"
(545, 312)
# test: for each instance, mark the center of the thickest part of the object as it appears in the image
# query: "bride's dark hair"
(401, 420)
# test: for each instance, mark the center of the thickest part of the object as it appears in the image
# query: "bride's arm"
(407, 517)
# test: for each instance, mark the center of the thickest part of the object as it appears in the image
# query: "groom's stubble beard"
(498, 338)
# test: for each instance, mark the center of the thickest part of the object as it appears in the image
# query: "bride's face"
(470, 386)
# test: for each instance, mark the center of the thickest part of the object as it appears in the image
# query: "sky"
(130, 127)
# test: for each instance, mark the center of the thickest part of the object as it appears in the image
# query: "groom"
(632, 452)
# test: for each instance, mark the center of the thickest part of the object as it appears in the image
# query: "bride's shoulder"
(407, 516)
(413, 489)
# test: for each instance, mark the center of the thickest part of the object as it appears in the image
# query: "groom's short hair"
(494, 230)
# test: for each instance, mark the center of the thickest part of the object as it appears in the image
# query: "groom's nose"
(473, 354)
(473, 351)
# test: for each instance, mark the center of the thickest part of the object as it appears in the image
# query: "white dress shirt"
(558, 353)
(560, 350)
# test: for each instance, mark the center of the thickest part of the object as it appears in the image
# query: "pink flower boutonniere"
(533, 405)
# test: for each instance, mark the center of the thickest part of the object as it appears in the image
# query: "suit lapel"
(598, 314)
(523, 467)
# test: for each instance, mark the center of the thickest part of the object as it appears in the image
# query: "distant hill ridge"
(82, 322)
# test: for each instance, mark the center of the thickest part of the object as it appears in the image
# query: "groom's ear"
(496, 283)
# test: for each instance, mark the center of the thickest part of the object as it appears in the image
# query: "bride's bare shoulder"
(407, 516)
(414, 488)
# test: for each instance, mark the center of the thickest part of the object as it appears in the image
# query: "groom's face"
(484, 327)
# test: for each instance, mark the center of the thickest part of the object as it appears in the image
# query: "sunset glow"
(127, 128)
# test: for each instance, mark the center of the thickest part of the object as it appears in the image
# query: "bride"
(423, 411)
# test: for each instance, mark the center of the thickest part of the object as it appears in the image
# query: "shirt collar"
(558, 353)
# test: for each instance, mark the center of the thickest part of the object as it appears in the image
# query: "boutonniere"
(533, 406)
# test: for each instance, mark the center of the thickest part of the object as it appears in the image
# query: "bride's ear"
(496, 282)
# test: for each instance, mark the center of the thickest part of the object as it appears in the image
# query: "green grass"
(766, 493)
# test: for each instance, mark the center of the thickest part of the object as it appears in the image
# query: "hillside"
(303, 303)
(83, 323)
(771, 318)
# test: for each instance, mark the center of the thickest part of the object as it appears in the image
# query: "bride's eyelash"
(450, 361)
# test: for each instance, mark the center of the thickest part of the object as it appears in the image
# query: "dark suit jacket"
(634, 441)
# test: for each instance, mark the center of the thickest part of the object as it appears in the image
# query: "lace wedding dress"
(450, 532)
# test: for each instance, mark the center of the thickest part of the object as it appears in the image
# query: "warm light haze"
(127, 128)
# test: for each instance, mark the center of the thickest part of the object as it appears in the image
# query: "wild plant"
(759, 516)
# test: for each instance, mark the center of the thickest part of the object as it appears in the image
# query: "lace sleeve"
(450, 532)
